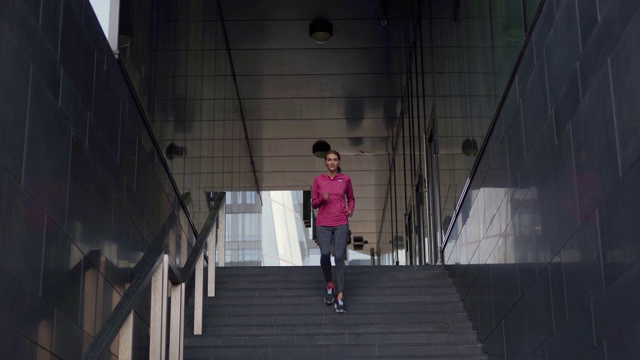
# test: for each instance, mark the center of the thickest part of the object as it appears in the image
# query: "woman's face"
(332, 162)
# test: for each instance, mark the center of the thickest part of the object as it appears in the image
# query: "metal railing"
(481, 151)
(145, 270)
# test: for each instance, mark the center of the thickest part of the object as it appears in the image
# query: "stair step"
(393, 312)
(335, 338)
(283, 284)
(310, 296)
(314, 273)
(287, 307)
(331, 351)
(234, 330)
(330, 316)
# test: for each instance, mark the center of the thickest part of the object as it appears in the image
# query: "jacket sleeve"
(351, 200)
(316, 197)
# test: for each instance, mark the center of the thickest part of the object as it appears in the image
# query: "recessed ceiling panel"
(325, 85)
(319, 61)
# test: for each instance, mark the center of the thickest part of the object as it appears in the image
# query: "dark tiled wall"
(82, 190)
(544, 250)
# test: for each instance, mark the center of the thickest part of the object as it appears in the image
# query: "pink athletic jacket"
(333, 212)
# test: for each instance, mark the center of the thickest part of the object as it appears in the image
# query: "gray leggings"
(339, 236)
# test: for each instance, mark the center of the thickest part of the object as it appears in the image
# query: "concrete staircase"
(393, 312)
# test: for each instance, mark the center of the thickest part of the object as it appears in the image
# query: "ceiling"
(346, 91)
(292, 92)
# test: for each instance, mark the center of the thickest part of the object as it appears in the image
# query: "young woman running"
(332, 195)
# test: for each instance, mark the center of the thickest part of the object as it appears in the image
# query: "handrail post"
(197, 296)
(158, 328)
(176, 333)
(125, 339)
(211, 266)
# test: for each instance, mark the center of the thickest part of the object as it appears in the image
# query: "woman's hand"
(349, 213)
(326, 196)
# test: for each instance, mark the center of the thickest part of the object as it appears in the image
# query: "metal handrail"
(481, 151)
(239, 99)
(145, 268)
(154, 141)
(147, 265)
(197, 249)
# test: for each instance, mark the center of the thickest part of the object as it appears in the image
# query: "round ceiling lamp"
(321, 30)
(320, 148)
(470, 147)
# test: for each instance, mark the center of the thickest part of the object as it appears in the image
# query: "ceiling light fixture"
(470, 147)
(320, 148)
(124, 36)
(321, 30)
(172, 151)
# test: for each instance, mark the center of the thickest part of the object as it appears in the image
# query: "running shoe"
(329, 295)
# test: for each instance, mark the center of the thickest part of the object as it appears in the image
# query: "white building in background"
(272, 233)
